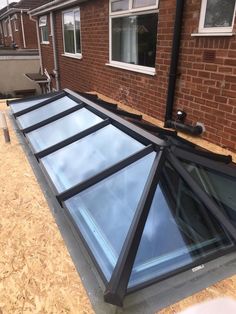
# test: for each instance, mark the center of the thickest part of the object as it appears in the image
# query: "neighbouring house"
(17, 29)
(155, 56)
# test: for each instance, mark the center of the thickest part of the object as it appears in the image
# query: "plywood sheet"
(37, 274)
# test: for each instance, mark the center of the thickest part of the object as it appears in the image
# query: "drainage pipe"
(39, 43)
(22, 28)
(192, 130)
(56, 68)
(4, 127)
(174, 60)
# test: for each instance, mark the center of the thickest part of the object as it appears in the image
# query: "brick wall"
(30, 32)
(17, 35)
(47, 53)
(205, 88)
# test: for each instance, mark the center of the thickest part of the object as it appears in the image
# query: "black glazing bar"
(38, 97)
(104, 174)
(203, 196)
(39, 105)
(72, 139)
(128, 126)
(198, 159)
(127, 114)
(52, 119)
(117, 286)
(213, 156)
(154, 128)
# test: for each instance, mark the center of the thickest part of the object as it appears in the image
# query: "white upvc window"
(5, 28)
(133, 35)
(15, 22)
(217, 16)
(43, 25)
(9, 28)
(71, 28)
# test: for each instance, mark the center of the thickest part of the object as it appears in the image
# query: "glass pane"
(25, 104)
(62, 129)
(46, 111)
(89, 156)
(69, 39)
(45, 34)
(220, 187)
(179, 230)
(43, 21)
(219, 13)
(143, 3)
(134, 39)
(119, 5)
(112, 200)
(77, 31)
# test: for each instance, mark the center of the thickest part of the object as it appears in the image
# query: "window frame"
(44, 42)
(212, 30)
(4, 26)
(76, 55)
(136, 11)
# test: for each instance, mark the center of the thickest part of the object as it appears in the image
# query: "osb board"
(37, 274)
(197, 140)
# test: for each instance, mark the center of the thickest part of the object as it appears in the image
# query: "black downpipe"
(174, 59)
(169, 123)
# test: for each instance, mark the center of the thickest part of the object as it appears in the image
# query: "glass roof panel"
(105, 211)
(221, 187)
(179, 230)
(25, 104)
(87, 157)
(62, 129)
(45, 112)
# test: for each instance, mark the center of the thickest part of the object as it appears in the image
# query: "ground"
(37, 274)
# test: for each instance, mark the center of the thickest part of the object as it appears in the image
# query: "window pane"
(220, 187)
(143, 3)
(62, 129)
(44, 30)
(179, 230)
(112, 200)
(25, 104)
(77, 31)
(88, 156)
(219, 13)
(42, 21)
(134, 39)
(69, 38)
(119, 5)
(46, 111)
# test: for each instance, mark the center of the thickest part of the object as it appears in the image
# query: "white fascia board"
(55, 5)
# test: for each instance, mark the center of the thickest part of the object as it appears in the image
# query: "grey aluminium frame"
(116, 289)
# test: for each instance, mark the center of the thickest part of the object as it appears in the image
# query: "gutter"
(12, 11)
(22, 27)
(169, 122)
(54, 5)
(56, 68)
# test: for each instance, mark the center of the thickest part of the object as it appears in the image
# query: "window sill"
(127, 67)
(45, 43)
(216, 34)
(74, 56)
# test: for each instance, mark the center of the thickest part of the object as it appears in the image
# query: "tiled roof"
(30, 4)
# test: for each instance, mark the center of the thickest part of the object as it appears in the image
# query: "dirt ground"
(37, 274)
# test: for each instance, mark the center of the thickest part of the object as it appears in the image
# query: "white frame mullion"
(202, 29)
(77, 55)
